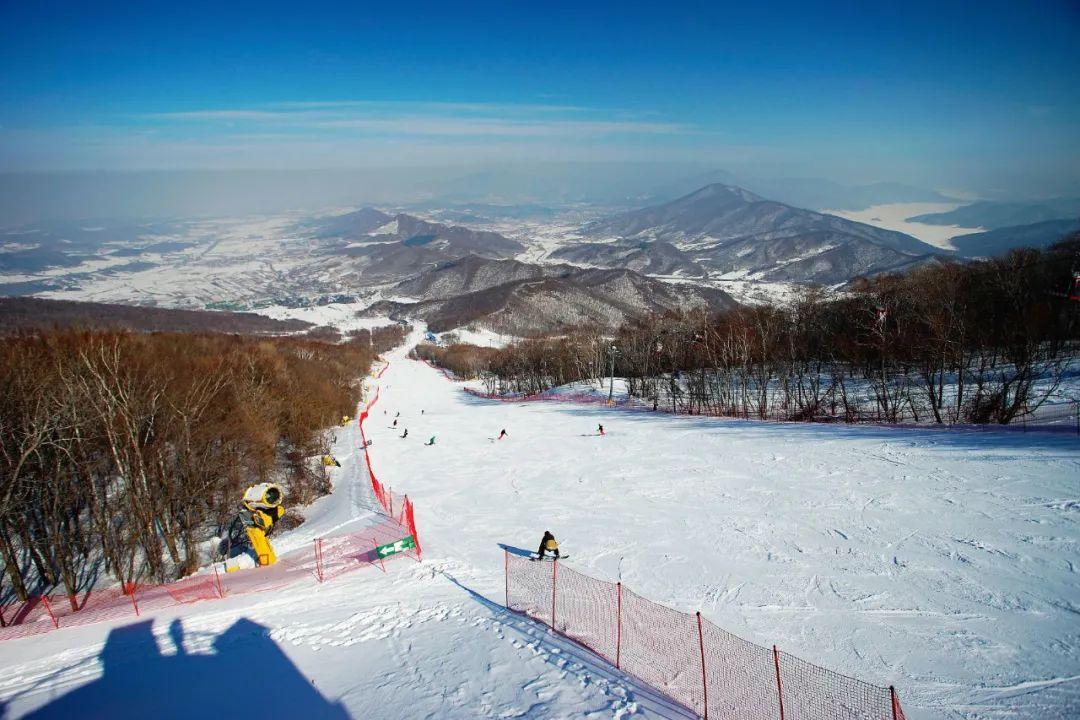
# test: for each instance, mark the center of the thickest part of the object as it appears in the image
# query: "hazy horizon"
(48, 196)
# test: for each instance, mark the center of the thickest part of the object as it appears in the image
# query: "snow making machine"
(246, 544)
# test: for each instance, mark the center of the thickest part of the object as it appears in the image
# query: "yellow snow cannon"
(345, 420)
(264, 496)
(330, 461)
(262, 509)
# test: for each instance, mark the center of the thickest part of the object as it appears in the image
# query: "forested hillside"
(120, 453)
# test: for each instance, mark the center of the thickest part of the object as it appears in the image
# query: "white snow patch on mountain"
(894, 216)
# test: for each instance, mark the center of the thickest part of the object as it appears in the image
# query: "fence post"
(45, 600)
(217, 583)
(704, 682)
(376, 551)
(134, 604)
(779, 690)
(894, 704)
(318, 559)
(412, 528)
(554, 575)
(3, 622)
(618, 625)
(407, 509)
(506, 577)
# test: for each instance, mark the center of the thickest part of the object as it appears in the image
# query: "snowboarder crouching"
(548, 543)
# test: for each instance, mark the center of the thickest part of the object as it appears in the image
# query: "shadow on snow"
(247, 675)
(522, 552)
(974, 437)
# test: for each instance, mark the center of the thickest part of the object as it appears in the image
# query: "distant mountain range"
(726, 229)
(606, 183)
(995, 242)
(372, 247)
(652, 257)
(451, 276)
(663, 257)
(523, 299)
(369, 226)
(27, 313)
(995, 215)
(473, 274)
(459, 276)
(358, 224)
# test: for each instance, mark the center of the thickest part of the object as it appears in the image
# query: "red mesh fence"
(445, 373)
(584, 607)
(529, 589)
(688, 658)
(323, 560)
(660, 646)
(383, 494)
(814, 692)
(740, 675)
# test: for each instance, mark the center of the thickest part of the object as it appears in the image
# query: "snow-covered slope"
(942, 562)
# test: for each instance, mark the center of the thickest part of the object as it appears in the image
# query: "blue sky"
(949, 96)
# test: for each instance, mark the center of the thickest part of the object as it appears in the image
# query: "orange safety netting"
(383, 494)
(325, 559)
(688, 658)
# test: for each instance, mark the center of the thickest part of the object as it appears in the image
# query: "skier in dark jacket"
(502, 434)
(547, 543)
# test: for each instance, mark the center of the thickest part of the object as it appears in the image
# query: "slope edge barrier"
(686, 657)
(384, 494)
(323, 560)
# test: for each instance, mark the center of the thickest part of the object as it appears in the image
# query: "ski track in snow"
(941, 562)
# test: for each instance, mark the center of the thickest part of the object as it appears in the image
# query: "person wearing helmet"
(548, 544)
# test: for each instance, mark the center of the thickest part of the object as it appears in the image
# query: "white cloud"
(426, 119)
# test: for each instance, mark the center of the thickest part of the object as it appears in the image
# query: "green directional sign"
(395, 547)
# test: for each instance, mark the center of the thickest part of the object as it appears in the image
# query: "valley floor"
(942, 562)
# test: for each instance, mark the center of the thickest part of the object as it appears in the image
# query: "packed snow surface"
(942, 562)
